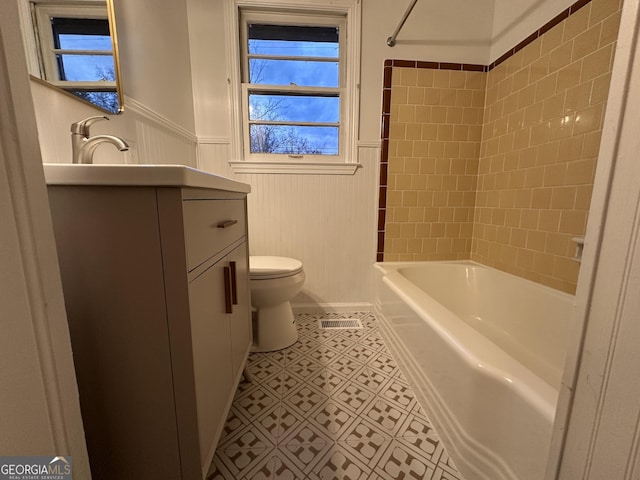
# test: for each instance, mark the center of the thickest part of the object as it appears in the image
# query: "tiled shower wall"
(543, 122)
(535, 138)
(434, 146)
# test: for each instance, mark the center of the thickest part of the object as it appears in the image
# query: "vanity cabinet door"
(211, 354)
(240, 319)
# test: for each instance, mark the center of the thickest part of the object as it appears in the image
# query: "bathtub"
(484, 352)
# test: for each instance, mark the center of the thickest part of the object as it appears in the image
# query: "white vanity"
(154, 267)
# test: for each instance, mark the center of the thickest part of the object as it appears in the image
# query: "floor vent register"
(341, 324)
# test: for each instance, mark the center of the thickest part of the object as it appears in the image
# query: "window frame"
(48, 63)
(248, 17)
(292, 12)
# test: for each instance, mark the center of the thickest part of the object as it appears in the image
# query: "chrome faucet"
(83, 145)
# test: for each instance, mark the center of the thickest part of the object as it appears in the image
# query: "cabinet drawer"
(210, 226)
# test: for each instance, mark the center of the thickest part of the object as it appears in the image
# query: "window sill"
(295, 168)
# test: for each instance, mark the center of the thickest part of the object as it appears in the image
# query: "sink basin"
(138, 175)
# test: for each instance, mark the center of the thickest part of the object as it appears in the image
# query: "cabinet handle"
(234, 283)
(227, 223)
(227, 290)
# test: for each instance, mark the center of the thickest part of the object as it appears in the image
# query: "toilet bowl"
(273, 282)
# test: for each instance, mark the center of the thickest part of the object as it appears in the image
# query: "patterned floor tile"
(247, 438)
(235, 422)
(305, 398)
(398, 462)
(241, 464)
(303, 457)
(354, 396)
(255, 401)
(341, 462)
(387, 415)
(332, 406)
(306, 433)
(333, 418)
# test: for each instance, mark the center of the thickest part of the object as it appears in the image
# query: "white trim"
(596, 434)
(233, 77)
(142, 110)
(44, 13)
(331, 307)
(369, 144)
(335, 168)
(214, 140)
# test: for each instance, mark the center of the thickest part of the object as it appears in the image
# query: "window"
(75, 51)
(297, 83)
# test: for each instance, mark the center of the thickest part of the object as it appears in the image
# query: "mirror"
(71, 45)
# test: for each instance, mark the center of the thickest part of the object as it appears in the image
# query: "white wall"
(155, 59)
(514, 20)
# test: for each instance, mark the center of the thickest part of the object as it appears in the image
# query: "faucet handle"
(82, 127)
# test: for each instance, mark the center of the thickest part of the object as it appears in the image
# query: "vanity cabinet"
(156, 287)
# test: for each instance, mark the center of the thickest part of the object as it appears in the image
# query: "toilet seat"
(268, 267)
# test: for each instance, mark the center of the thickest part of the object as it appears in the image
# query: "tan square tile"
(415, 95)
(558, 244)
(601, 9)
(576, 23)
(591, 145)
(432, 96)
(578, 97)
(573, 222)
(586, 42)
(408, 76)
(422, 114)
(600, 91)
(581, 172)
(399, 95)
(546, 87)
(555, 174)
(475, 81)
(589, 119)
(441, 78)
(610, 28)
(424, 77)
(552, 39)
(539, 69)
(597, 63)
(464, 98)
(406, 113)
(549, 220)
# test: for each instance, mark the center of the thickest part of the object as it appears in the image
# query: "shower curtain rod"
(391, 41)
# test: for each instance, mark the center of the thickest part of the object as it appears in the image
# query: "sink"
(138, 175)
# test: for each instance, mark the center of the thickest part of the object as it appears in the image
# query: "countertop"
(138, 175)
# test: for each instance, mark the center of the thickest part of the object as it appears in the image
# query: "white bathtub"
(484, 352)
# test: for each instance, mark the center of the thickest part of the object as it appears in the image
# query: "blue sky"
(85, 67)
(304, 73)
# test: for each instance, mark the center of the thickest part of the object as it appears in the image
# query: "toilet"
(273, 282)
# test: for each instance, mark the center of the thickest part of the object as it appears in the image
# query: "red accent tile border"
(386, 103)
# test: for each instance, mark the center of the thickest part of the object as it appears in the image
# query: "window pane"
(105, 100)
(290, 108)
(287, 72)
(293, 40)
(85, 42)
(293, 140)
(86, 67)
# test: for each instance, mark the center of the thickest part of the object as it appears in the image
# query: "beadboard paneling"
(326, 221)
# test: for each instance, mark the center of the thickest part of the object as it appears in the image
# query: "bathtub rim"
(491, 359)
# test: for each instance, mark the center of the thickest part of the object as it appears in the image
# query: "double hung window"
(295, 95)
(75, 51)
